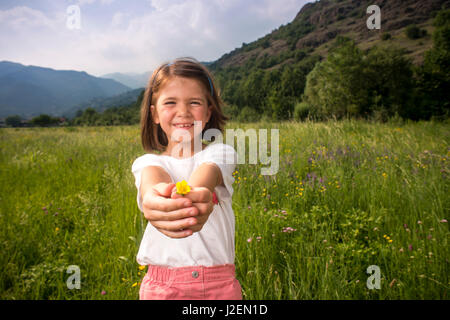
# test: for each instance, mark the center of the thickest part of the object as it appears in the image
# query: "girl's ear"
(154, 114)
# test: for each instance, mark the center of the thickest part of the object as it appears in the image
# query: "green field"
(349, 194)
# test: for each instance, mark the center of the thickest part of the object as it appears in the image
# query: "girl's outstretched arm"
(167, 215)
(203, 181)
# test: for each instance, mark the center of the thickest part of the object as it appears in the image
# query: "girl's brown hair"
(152, 135)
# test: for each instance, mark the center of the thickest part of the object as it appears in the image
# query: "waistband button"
(194, 274)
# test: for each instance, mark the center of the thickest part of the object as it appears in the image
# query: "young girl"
(188, 244)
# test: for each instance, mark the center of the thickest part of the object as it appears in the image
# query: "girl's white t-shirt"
(214, 244)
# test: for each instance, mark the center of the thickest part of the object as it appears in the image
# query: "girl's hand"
(172, 217)
(202, 199)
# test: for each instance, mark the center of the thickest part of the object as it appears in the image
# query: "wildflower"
(103, 292)
(134, 285)
(390, 241)
(401, 250)
(258, 238)
(249, 207)
(443, 221)
(419, 222)
(249, 240)
(410, 247)
(183, 187)
(56, 229)
(141, 268)
(429, 237)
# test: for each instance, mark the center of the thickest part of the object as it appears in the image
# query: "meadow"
(349, 194)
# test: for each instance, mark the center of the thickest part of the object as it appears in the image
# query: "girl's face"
(181, 101)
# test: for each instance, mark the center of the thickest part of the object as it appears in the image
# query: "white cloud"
(24, 18)
(128, 41)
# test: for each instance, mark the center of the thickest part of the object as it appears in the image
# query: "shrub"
(386, 36)
(302, 111)
(248, 114)
(414, 32)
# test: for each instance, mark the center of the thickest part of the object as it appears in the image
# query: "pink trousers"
(190, 283)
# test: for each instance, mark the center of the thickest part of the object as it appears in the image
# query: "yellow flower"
(183, 187)
(141, 268)
(134, 284)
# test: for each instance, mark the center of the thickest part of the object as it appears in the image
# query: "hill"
(318, 23)
(101, 104)
(268, 76)
(30, 90)
(132, 80)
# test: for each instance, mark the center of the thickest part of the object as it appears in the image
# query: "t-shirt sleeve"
(224, 156)
(138, 165)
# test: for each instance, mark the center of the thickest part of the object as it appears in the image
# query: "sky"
(132, 36)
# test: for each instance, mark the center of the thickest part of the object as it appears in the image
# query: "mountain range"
(132, 80)
(30, 90)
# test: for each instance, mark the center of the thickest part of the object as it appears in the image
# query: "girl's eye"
(196, 103)
(169, 103)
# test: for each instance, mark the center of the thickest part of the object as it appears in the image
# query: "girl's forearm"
(207, 175)
(151, 176)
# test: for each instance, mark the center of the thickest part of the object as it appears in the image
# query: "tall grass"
(349, 194)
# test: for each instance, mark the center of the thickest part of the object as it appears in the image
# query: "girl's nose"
(183, 109)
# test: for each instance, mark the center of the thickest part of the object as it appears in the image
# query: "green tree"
(338, 86)
(44, 120)
(433, 77)
(390, 83)
(13, 121)
(351, 83)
